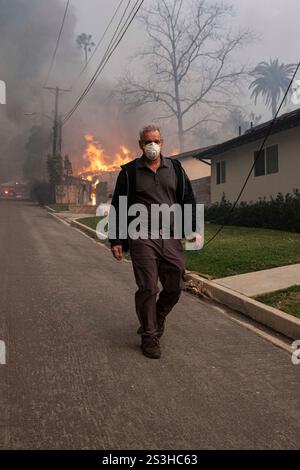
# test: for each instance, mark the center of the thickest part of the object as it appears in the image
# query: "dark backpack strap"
(179, 173)
(130, 169)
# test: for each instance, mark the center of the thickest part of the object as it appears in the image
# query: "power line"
(110, 50)
(257, 157)
(98, 44)
(96, 74)
(57, 43)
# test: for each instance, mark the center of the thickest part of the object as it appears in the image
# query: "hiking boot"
(161, 322)
(139, 331)
(150, 348)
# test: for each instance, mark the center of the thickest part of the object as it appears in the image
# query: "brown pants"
(153, 260)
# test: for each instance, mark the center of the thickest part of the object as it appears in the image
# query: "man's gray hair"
(149, 128)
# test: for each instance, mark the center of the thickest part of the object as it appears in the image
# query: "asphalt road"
(75, 377)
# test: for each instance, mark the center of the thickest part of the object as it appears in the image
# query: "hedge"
(279, 213)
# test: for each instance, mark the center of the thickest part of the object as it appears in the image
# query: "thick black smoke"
(28, 33)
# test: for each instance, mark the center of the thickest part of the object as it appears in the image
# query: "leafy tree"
(84, 41)
(55, 172)
(271, 82)
(239, 117)
(40, 191)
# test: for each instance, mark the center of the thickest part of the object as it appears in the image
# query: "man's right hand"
(117, 252)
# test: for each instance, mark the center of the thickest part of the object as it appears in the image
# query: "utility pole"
(59, 132)
(57, 141)
(57, 127)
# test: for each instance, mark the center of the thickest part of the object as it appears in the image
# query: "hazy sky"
(275, 21)
(28, 31)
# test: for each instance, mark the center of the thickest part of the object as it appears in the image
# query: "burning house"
(95, 181)
(73, 189)
(101, 170)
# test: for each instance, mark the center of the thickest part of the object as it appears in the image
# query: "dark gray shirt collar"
(164, 163)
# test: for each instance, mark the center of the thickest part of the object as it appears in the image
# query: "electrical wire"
(110, 49)
(57, 43)
(98, 44)
(109, 52)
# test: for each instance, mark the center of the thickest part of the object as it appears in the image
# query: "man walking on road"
(154, 180)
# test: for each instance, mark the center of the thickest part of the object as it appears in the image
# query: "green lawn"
(238, 250)
(59, 207)
(90, 221)
(287, 300)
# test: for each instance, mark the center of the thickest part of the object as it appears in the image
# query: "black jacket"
(126, 186)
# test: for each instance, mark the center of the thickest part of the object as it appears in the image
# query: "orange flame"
(96, 160)
(98, 163)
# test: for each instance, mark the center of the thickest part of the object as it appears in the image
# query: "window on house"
(260, 166)
(272, 159)
(221, 172)
(267, 162)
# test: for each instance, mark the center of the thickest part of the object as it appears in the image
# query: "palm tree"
(272, 80)
(84, 41)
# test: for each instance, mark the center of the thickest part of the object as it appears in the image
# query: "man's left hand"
(197, 239)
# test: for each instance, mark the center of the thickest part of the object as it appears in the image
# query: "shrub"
(279, 213)
(41, 192)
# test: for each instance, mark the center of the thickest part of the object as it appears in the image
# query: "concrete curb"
(84, 228)
(271, 317)
(49, 209)
(93, 234)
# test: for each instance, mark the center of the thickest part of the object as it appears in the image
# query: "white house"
(277, 169)
(199, 173)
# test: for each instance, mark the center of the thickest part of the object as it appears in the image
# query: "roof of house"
(190, 153)
(77, 180)
(283, 122)
(9, 183)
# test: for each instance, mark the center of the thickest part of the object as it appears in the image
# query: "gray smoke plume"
(28, 33)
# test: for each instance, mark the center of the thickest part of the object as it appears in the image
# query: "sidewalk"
(235, 292)
(70, 217)
(262, 282)
(250, 284)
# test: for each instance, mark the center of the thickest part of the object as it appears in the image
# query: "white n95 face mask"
(152, 151)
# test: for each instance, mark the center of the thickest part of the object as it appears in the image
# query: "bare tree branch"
(188, 62)
(202, 121)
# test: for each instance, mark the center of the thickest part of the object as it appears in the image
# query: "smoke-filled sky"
(28, 32)
(276, 21)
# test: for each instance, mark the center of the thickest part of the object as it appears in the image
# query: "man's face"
(149, 137)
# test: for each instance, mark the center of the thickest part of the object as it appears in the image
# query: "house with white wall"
(276, 170)
(199, 172)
